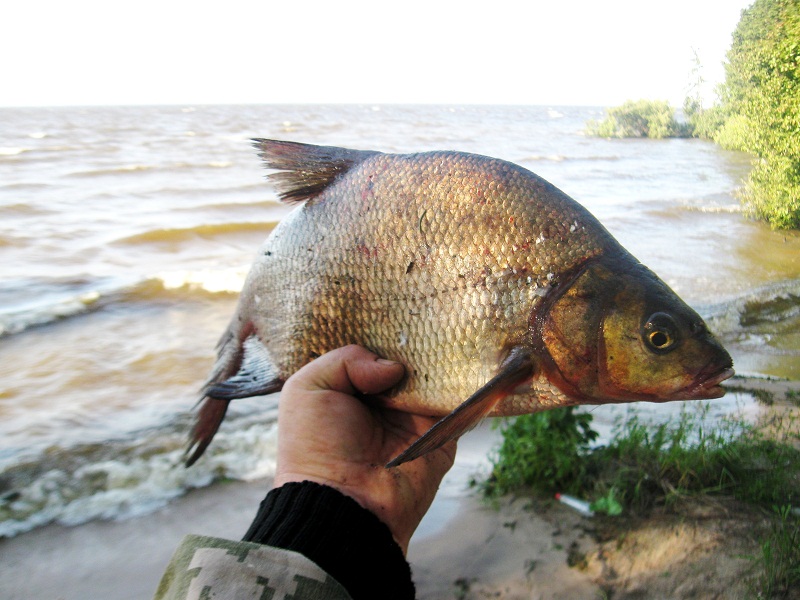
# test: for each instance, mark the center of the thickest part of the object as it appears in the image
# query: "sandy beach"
(466, 547)
(515, 549)
(482, 549)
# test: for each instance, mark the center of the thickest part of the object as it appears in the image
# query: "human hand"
(329, 436)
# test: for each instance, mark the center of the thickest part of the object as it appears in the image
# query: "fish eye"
(660, 332)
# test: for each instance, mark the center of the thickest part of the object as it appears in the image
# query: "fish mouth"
(706, 385)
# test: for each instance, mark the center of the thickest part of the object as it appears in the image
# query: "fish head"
(618, 333)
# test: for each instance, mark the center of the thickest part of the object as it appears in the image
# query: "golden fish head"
(619, 333)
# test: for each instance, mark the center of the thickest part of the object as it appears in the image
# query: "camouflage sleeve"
(205, 567)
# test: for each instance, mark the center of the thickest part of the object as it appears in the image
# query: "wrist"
(360, 491)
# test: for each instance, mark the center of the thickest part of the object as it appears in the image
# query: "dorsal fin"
(305, 170)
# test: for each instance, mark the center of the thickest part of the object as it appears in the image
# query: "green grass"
(779, 561)
(543, 450)
(646, 465)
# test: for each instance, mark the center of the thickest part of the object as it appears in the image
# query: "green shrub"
(650, 464)
(772, 192)
(734, 133)
(705, 123)
(641, 118)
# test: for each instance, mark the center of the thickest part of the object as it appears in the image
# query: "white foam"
(127, 487)
(726, 317)
(18, 319)
(11, 151)
(210, 280)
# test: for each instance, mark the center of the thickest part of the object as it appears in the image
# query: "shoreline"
(94, 559)
(479, 546)
(466, 547)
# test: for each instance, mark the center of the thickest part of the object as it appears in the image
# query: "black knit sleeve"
(346, 540)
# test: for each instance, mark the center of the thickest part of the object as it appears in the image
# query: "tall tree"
(761, 95)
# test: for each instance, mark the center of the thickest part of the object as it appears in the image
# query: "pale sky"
(543, 52)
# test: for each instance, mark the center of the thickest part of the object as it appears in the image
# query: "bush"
(707, 123)
(772, 192)
(641, 118)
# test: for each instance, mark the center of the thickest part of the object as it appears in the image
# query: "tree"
(761, 100)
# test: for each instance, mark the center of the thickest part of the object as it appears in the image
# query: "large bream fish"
(499, 293)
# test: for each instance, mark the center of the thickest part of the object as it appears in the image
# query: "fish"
(499, 293)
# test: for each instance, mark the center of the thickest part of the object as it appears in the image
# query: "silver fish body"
(497, 291)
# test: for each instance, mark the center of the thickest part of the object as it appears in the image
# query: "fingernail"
(384, 361)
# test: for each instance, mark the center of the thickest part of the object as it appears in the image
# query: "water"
(127, 232)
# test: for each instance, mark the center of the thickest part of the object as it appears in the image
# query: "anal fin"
(514, 371)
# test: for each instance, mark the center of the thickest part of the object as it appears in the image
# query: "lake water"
(127, 232)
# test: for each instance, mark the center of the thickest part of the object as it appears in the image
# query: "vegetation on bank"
(640, 118)
(758, 111)
(645, 465)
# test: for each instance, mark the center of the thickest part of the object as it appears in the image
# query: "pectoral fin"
(515, 370)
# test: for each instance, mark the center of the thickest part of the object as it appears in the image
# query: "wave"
(22, 209)
(212, 281)
(126, 478)
(729, 209)
(176, 235)
(230, 207)
(26, 185)
(543, 158)
(135, 168)
(33, 303)
(29, 303)
(757, 315)
(564, 158)
(12, 151)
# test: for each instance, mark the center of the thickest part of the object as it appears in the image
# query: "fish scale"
(498, 292)
(460, 253)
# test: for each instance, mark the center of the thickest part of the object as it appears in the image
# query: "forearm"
(344, 539)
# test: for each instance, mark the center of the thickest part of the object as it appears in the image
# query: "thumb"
(349, 370)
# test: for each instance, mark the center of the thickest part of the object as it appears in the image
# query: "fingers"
(348, 370)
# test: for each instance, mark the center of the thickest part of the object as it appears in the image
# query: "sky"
(565, 52)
